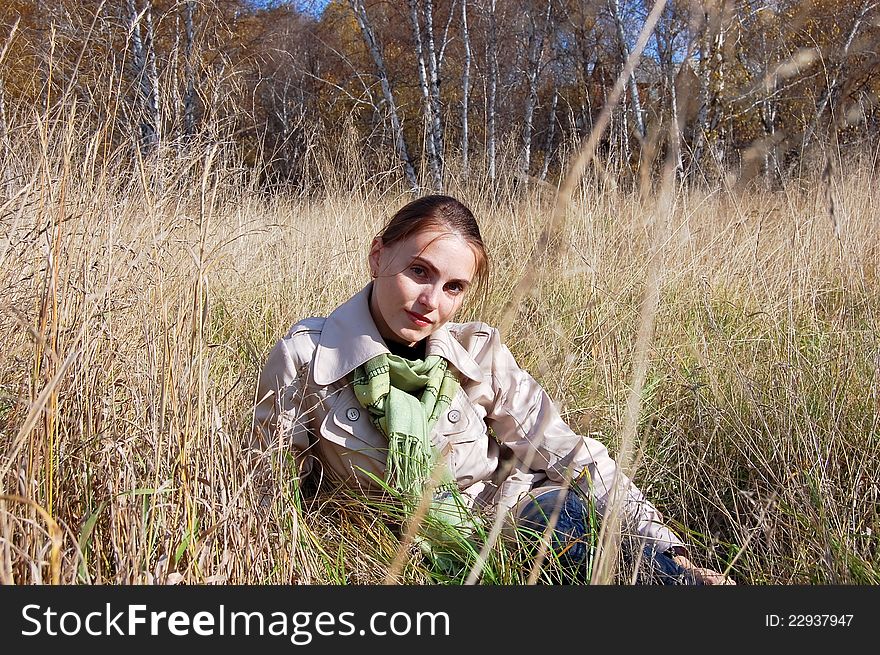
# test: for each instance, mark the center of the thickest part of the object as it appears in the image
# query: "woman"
(387, 391)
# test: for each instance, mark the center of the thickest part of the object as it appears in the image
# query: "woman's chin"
(411, 336)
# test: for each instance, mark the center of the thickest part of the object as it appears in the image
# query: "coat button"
(453, 415)
(353, 414)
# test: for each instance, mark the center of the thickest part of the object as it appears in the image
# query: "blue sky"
(311, 6)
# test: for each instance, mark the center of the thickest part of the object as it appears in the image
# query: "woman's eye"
(418, 270)
(454, 288)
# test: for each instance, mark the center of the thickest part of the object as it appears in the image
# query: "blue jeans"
(573, 539)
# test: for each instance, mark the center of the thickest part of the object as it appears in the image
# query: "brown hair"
(434, 211)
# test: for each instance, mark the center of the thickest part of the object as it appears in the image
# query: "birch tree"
(672, 45)
(372, 43)
(492, 91)
(837, 69)
(710, 135)
(434, 64)
(426, 63)
(583, 62)
(144, 72)
(4, 129)
(635, 103)
(465, 86)
(189, 74)
(537, 29)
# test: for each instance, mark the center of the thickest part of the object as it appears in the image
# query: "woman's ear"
(375, 256)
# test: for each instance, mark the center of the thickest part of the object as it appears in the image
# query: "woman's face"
(420, 283)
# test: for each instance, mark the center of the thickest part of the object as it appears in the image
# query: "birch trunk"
(537, 37)
(153, 97)
(670, 73)
(3, 129)
(710, 138)
(465, 87)
(491, 100)
(635, 102)
(427, 93)
(716, 91)
(434, 74)
(768, 121)
(144, 74)
(189, 121)
(372, 44)
(834, 85)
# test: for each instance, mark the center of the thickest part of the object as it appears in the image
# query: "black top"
(411, 353)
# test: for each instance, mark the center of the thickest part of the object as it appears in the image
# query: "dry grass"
(138, 308)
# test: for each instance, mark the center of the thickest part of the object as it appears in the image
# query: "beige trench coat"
(305, 402)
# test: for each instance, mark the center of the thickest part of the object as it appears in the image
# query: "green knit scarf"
(404, 399)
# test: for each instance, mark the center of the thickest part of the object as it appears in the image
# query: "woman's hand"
(706, 576)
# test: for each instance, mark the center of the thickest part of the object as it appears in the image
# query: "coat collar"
(350, 338)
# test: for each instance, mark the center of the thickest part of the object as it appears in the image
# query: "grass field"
(138, 305)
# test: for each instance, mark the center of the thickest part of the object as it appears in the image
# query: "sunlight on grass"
(138, 311)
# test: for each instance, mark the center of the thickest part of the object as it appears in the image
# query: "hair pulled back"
(439, 211)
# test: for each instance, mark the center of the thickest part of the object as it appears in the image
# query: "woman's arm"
(526, 420)
(283, 404)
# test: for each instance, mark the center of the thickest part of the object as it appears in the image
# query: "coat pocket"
(349, 429)
(461, 436)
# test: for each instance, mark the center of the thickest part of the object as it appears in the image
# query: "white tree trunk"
(711, 67)
(834, 83)
(145, 73)
(431, 145)
(670, 72)
(537, 37)
(492, 95)
(4, 127)
(372, 44)
(465, 87)
(153, 97)
(635, 102)
(434, 74)
(189, 100)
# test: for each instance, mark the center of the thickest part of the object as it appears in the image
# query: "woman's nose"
(429, 296)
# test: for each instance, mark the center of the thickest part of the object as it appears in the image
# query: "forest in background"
(427, 89)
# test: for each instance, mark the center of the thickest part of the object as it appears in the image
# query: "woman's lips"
(418, 319)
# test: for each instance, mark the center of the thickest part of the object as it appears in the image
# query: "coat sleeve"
(282, 410)
(526, 420)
